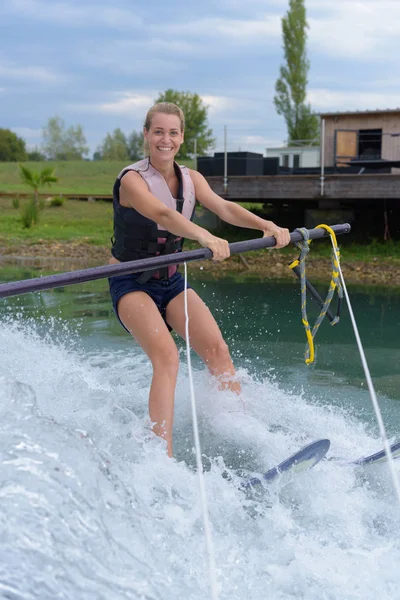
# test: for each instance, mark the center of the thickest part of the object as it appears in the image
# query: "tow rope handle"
(299, 268)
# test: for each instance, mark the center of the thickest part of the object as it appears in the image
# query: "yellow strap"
(310, 340)
(335, 274)
(329, 230)
(332, 285)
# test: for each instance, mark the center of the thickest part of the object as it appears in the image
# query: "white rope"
(371, 388)
(203, 496)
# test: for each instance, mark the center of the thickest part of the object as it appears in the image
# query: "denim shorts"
(161, 291)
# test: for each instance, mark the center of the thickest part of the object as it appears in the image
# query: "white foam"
(93, 508)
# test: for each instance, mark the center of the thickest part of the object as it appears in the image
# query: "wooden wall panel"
(388, 122)
(346, 145)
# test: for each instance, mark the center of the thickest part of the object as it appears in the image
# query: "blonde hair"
(167, 108)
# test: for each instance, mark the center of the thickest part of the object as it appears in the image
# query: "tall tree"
(196, 126)
(60, 143)
(135, 146)
(291, 86)
(12, 147)
(75, 145)
(114, 147)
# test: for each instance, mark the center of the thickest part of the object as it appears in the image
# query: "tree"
(12, 147)
(114, 147)
(135, 146)
(35, 155)
(37, 179)
(290, 87)
(63, 144)
(75, 146)
(196, 126)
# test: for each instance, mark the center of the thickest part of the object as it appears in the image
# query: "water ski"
(378, 457)
(305, 458)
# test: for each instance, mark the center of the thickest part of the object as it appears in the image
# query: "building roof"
(377, 111)
(294, 148)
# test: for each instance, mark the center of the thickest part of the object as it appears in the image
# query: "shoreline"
(269, 264)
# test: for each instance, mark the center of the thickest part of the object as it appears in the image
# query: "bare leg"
(205, 337)
(141, 317)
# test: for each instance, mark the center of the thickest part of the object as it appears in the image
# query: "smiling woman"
(154, 201)
(155, 134)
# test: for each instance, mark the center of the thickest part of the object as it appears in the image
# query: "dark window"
(286, 161)
(296, 161)
(370, 144)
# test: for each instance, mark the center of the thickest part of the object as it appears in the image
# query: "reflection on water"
(52, 264)
(261, 320)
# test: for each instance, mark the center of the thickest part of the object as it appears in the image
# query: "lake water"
(93, 509)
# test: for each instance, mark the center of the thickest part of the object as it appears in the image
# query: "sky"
(102, 64)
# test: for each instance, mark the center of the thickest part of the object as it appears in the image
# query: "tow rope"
(299, 267)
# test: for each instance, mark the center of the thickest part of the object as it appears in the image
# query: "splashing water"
(92, 508)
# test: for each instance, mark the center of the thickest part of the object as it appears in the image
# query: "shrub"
(29, 215)
(57, 201)
(15, 202)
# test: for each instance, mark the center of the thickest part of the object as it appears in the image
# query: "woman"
(154, 201)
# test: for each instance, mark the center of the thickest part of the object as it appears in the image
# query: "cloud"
(83, 15)
(30, 73)
(216, 104)
(355, 30)
(238, 30)
(126, 103)
(29, 134)
(366, 30)
(170, 47)
(323, 99)
(120, 58)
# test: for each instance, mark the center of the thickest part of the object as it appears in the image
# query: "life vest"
(136, 236)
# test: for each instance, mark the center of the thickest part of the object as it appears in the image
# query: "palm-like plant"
(37, 179)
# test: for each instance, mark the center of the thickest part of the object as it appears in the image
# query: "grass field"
(75, 220)
(80, 176)
(93, 223)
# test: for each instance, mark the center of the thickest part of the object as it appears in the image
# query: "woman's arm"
(234, 213)
(134, 193)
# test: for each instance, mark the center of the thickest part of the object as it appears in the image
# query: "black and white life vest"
(136, 236)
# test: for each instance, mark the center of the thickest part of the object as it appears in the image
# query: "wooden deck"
(348, 189)
(281, 189)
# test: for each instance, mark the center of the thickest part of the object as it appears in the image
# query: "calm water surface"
(91, 506)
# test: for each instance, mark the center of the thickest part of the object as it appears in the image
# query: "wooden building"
(353, 136)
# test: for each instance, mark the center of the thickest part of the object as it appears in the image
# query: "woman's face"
(164, 136)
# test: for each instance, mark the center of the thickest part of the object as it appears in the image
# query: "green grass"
(79, 176)
(93, 222)
(75, 220)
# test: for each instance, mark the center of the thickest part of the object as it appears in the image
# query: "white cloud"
(355, 30)
(366, 30)
(216, 104)
(121, 58)
(322, 99)
(30, 73)
(77, 15)
(126, 103)
(29, 134)
(238, 30)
